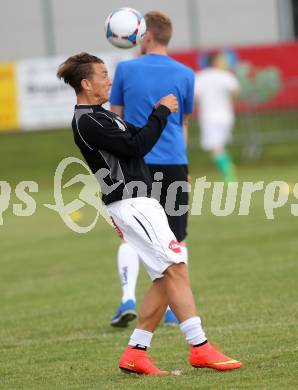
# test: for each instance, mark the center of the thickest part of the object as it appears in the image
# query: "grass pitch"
(59, 289)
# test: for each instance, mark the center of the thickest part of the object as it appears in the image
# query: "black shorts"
(172, 173)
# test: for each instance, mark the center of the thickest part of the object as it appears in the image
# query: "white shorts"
(144, 224)
(215, 135)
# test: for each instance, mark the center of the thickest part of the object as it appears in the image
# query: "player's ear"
(148, 36)
(86, 85)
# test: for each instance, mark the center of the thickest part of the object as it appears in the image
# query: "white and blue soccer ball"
(125, 28)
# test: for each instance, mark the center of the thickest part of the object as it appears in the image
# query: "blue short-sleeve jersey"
(139, 83)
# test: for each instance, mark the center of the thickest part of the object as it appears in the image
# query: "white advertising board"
(46, 102)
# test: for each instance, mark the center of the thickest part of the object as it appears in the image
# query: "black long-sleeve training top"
(114, 149)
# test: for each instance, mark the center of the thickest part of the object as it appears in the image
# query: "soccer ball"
(125, 28)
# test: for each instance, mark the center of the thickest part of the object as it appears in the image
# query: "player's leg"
(178, 224)
(180, 297)
(133, 217)
(174, 288)
(224, 163)
(214, 137)
(153, 239)
(152, 307)
(128, 268)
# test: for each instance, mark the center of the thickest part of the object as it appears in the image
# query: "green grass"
(59, 289)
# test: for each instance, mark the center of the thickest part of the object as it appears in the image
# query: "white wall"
(237, 22)
(82, 28)
(21, 29)
(78, 24)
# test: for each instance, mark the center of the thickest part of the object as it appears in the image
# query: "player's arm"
(235, 92)
(234, 86)
(186, 119)
(188, 103)
(100, 132)
(117, 109)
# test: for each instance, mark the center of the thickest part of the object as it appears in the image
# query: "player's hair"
(76, 68)
(160, 26)
(212, 57)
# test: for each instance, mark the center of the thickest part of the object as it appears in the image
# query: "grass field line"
(100, 335)
(52, 340)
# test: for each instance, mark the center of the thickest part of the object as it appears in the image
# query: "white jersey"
(214, 88)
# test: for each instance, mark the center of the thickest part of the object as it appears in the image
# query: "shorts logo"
(175, 246)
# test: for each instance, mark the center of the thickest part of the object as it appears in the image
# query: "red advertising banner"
(280, 57)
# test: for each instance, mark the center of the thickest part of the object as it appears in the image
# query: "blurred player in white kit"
(215, 89)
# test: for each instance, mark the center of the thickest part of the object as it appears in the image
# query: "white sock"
(141, 337)
(193, 331)
(184, 253)
(128, 268)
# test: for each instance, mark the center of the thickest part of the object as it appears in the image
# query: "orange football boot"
(137, 361)
(207, 356)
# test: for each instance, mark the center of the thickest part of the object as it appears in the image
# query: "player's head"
(158, 30)
(216, 59)
(212, 58)
(87, 75)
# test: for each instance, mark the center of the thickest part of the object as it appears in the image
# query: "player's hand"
(170, 101)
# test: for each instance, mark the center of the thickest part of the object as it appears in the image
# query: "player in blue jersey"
(137, 85)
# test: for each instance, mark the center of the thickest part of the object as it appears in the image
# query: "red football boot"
(207, 356)
(137, 361)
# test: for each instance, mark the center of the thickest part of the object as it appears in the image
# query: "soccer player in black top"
(114, 151)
